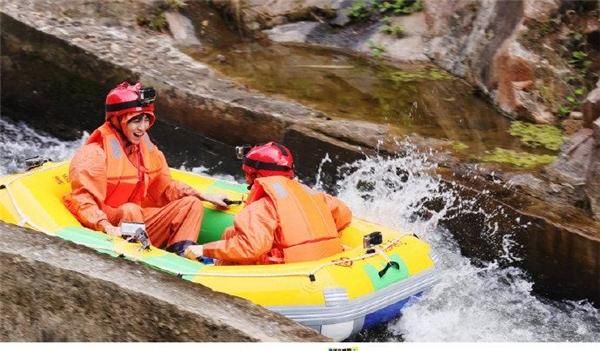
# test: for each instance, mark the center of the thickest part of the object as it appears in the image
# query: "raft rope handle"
(310, 274)
(390, 263)
(24, 218)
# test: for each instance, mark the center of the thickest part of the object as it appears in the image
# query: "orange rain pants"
(168, 208)
(175, 225)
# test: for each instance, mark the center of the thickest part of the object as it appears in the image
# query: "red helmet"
(268, 160)
(126, 98)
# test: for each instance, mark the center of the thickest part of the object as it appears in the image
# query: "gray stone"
(592, 188)
(573, 161)
(591, 107)
(576, 115)
(480, 41)
(409, 48)
(263, 14)
(296, 32)
(55, 290)
(181, 29)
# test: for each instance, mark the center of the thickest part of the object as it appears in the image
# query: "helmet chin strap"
(252, 181)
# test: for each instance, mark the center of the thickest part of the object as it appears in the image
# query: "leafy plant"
(580, 91)
(395, 30)
(399, 7)
(362, 9)
(377, 50)
(156, 22)
(578, 57)
(359, 10)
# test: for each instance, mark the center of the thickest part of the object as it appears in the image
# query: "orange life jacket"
(125, 181)
(307, 229)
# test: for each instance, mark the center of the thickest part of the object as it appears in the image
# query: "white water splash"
(484, 302)
(19, 142)
(318, 181)
(470, 303)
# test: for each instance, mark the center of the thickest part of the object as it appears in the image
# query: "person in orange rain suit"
(283, 221)
(120, 175)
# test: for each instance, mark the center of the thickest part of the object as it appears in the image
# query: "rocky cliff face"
(537, 60)
(532, 57)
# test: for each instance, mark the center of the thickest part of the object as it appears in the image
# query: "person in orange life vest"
(120, 175)
(283, 221)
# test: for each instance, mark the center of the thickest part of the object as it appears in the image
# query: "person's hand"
(216, 199)
(109, 228)
(193, 252)
(189, 191)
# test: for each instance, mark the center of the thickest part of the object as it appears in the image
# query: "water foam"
(487, 301)
(19, 142)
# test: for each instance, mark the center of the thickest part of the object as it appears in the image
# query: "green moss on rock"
(536, 135)
(458, 146)
(418, 75)
(517, 159)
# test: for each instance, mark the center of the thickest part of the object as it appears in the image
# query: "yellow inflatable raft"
(338, 295)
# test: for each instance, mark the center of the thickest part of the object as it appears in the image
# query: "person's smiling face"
(136, 128)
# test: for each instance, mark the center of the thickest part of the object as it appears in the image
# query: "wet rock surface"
(591, 107)
(592, 188)
(261, 14)
(54, 290)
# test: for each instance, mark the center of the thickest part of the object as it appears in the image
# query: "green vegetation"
(458, 146)
(359, 10)
(155, 20)
(395, 30)
(517, 159)
(428, 73)
(377, 50)
(363, 9)
(536, 135)
(577, 51)
(399, 7)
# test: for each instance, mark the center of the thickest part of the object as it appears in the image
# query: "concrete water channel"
(56, 70)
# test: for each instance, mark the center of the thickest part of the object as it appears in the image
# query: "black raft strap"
(388, 266)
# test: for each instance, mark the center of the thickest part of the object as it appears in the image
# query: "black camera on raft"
(372, 239)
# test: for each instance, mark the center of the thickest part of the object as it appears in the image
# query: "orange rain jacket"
(283, 221)
(105, 176)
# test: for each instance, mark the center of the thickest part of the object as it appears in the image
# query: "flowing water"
(488, 301)
(409, 98)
